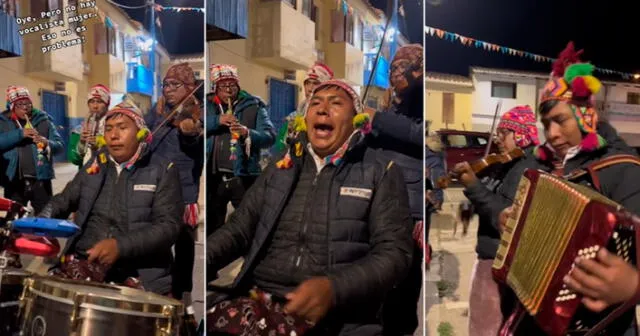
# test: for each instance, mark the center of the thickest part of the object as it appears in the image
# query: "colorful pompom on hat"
(572, 81)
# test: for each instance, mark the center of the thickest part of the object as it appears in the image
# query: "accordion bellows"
(554, 222)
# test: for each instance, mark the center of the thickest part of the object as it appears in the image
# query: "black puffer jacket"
(369, 238)
(152, 208)
(618, 182)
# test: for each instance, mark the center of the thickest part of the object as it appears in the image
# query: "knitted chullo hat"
(15, 93)
(320, 72)
(522, 121)
(572, 81)
(101, 92)
(219, 72)
(361, 122)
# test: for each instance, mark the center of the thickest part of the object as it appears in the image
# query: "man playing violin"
(517, 129)
(238, 128)
(572, 150)
(177, 138)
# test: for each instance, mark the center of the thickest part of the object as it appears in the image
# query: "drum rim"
(15, 276)
(47, 285)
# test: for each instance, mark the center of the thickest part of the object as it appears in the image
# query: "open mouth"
(323, 130)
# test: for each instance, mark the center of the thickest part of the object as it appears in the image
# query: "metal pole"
(152, 53)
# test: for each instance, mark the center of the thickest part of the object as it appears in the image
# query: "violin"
(190, 110)
(481, 167)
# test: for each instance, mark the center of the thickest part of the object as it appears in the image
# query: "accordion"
(554, 221)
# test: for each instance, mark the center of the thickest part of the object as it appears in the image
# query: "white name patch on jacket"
(356, 192)
(144, 187)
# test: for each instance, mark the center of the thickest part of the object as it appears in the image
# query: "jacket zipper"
(303, 232)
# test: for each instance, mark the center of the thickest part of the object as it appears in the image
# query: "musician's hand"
(105, 251)
(227, 119)
(84, 136)
(29, 133)
(239, 129)
(504, 217)
(188, 127)
(311, 300)
(44, 141)
(90, 140)
(465, 174)
(604, 281)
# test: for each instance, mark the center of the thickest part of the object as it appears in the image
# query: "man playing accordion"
(575, 151)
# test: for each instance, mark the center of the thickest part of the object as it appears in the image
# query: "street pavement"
(64, 173)
(447, 283)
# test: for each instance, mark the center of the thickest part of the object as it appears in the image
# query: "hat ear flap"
(142, 134)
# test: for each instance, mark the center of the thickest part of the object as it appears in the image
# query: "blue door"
(282, 100)
(56, 105)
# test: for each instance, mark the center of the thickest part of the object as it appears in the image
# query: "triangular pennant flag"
(440, 33)
(463, 40)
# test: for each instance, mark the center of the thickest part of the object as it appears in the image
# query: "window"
(357, 34)
(349, 22)
(112, 41)
(10, 7)
(39, 6)
(479, 141)
(503, 90)
(448, 100)
(121, 46)
(633, 98)
(292, 3)
(337, 26)
(100, 35)
(457, 140)
(307, 8)
(315, 17)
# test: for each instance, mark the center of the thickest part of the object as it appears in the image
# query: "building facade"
(112, 53)
(448, 102)
(275, 42)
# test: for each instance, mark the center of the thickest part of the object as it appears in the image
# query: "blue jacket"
(11, 135)
(262, 136)
(169, 145)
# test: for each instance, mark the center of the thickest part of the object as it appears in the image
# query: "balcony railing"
(139, 79)
(227, 19)
(10, 41)
(381, 74)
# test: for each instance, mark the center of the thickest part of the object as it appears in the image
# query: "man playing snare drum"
(129, 210)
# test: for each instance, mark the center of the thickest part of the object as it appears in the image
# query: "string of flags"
(160, 8)
(487, 46)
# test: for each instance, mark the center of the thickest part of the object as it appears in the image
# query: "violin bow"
(177, 109)
(493, 125)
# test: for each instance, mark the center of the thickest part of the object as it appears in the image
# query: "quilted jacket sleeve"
(233, 239)
(389, 258)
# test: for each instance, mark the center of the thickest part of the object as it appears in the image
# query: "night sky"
(606, 30)
(182, 33)
(413, 30)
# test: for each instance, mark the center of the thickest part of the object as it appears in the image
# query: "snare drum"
(65, 307)
(10, 290)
